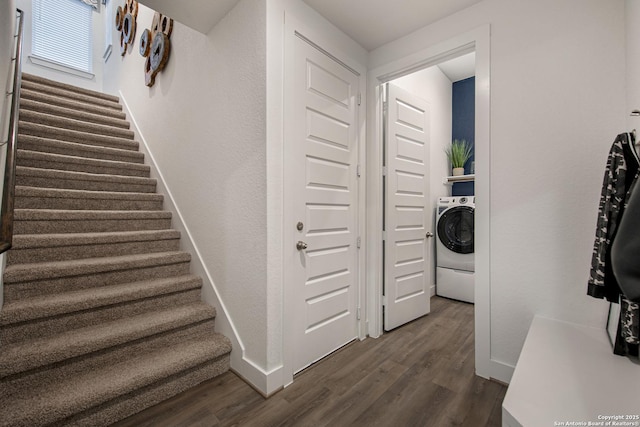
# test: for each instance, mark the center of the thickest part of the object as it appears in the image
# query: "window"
(62, 33)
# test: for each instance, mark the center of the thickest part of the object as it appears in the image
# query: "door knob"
(301, 245)
(429, 234)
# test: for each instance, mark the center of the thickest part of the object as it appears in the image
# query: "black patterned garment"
(620, 176)
(622, 168)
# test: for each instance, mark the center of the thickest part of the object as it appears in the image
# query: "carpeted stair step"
(26, 77)
(43, 98)
(51, 221)
(53, 178)
(32, 354)
(35, 159)
(71, 113)
(29, 248)
(43, 316)
(55, 198)
(70, 135)
(78, 97)
(113, 391)
(77, 125)
(54, 146)
(46, 278)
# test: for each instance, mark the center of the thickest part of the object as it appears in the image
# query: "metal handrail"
(9, 184)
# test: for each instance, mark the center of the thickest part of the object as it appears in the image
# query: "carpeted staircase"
(101, 316)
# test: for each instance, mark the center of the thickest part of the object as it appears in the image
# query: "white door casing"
(321, 175)
(407, 248)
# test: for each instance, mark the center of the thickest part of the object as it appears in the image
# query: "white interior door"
(407, 248)
(324, 253)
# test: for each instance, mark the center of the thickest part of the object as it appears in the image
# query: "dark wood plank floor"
(421, 374)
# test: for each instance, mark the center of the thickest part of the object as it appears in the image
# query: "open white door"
(324, 215)
(407, 248)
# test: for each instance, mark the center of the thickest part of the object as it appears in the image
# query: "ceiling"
(459, 68)
(373, 23)
(201, 15)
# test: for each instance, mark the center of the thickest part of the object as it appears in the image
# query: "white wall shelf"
(460, 178)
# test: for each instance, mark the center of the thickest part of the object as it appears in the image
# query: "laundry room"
(449, 90)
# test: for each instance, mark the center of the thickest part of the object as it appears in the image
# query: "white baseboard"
(264, 382)
(500, 371)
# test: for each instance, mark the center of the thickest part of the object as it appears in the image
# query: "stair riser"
(78, 150)
(69, 135)
(54, 285)
(133, 403)
(61, 253)
(89, 225)
(70, 95)
(62, 122)
(75, 89)
(24, 202)
(71, 184)
(69, 104)
(112, 355)
(88, 167)
(54, 110)
(42, 328)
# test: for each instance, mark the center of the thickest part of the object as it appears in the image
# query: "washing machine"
(455, 258)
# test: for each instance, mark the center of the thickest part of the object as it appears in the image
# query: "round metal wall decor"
(155, 46)
(126, 24)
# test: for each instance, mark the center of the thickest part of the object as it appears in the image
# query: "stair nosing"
(93, 149)
(123, 378)
(30, 104)
(21, 273)
(23, 356)
(46, 306)
(89, 92)
(53, 100)
(61, 122)
(64, 158)
(34, 172)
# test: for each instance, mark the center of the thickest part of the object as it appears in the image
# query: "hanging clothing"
(622, 167)
(625, 249)
(620, 176)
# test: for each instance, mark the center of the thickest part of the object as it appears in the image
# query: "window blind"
(62, 33)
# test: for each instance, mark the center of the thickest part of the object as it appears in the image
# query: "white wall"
(434, 86)
(28, 66)
(632, 28)
(204, 123)
(557, 102)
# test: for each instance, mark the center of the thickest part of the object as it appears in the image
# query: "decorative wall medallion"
(126, 23)
(155, 46)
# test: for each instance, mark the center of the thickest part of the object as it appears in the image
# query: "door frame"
(294, 30)
(477, 40)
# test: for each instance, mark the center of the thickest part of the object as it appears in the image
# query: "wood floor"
(421, 374)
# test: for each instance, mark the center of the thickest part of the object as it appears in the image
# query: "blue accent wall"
(463, 126)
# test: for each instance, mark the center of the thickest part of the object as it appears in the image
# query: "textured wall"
(549, 140)
(204, 121)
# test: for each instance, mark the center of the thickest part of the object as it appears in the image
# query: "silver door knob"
(301, 245)
(429, 234)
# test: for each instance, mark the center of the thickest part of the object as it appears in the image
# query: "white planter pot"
(458, 171)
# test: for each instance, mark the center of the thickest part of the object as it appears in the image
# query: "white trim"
(294, 29)
(43, 62)
(478, 39)
(266, 382)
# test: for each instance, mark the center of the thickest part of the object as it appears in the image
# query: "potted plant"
(458, 153)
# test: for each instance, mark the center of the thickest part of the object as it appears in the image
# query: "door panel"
(407, 251)
(325, 195)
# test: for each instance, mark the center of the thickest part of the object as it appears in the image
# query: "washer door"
(455, 229)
